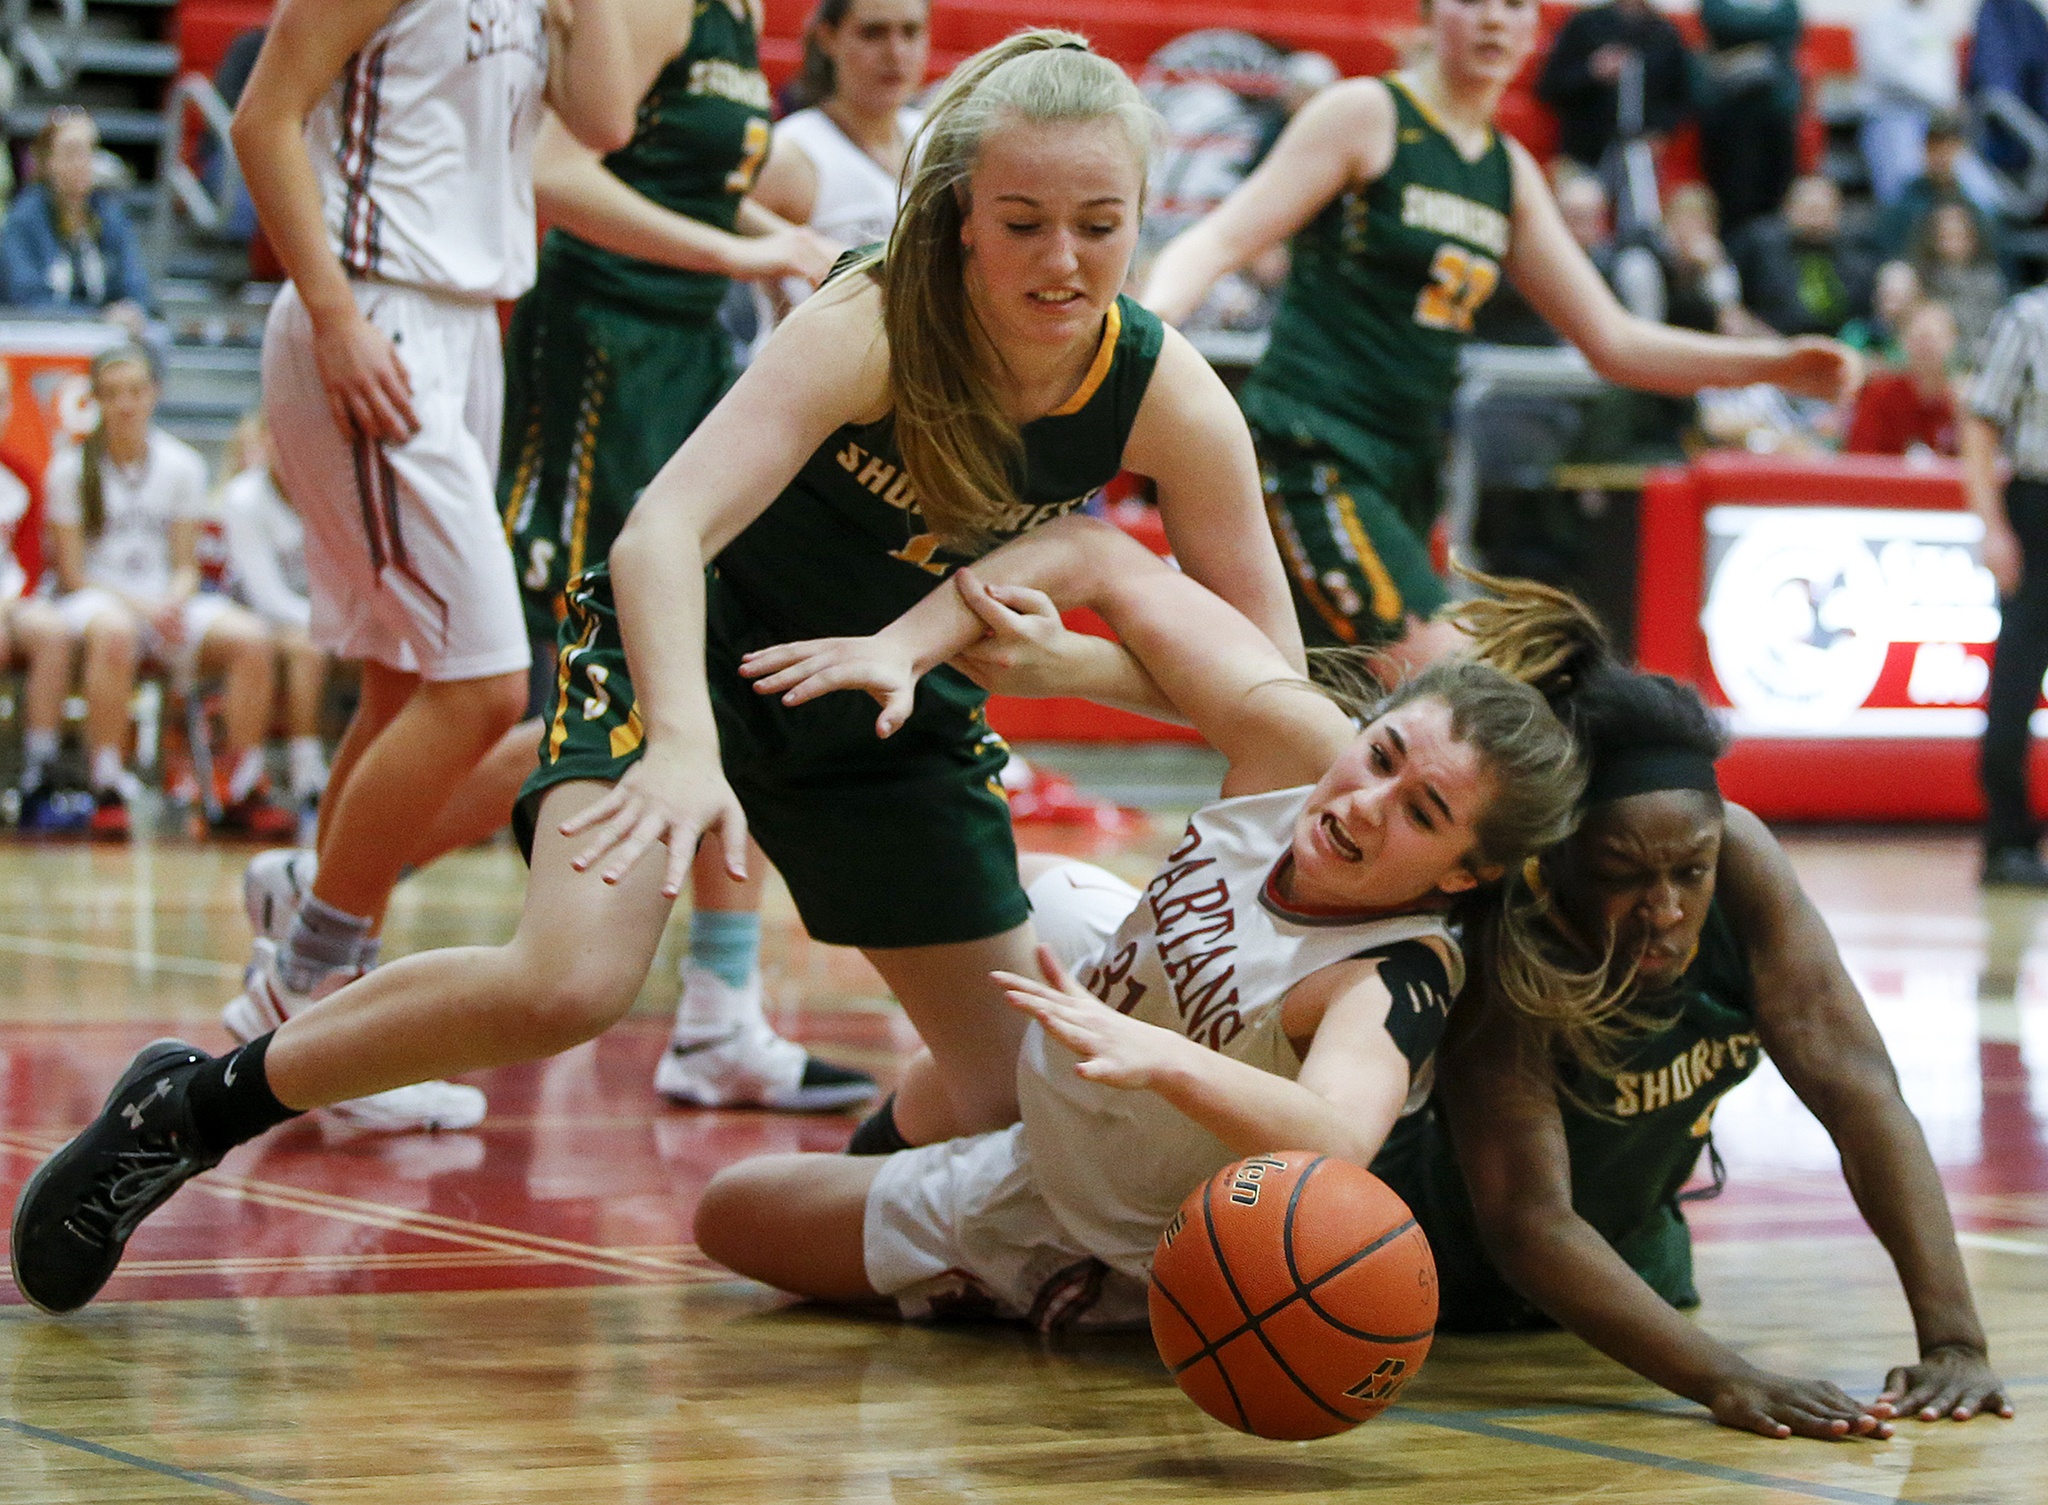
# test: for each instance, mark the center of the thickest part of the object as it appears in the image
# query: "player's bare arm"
(1560, 283)
(1509, 1132)
(1341, 139)
(1191, 440)
(1352, 1083)
(309, 43)
(602, 55)
(1819, 1034)
(824, 367)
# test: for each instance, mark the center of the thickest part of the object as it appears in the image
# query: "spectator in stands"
(1749, 105)
(67, 244)
(1912, 411)
(1800, 273)
(836, 162)
(1910, 75)
(124, 511)
(1957, 267)
(1894, 293)
(1703, 291)
(266, 549)
(32, 637)
(1949, 174)
(2008, 409)
(1581, 79)
(1631, 270)
(2010, 54)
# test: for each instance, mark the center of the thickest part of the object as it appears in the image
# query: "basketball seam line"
(1304, 1291)
(1216, 1249)
(1253, 1323)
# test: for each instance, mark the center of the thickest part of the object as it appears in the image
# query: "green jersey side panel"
(1381, 292)
(1634, 1138)
(700, 138)
(845, 549)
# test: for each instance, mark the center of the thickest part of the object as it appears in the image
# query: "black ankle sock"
(230, 1100)
(878, 1134)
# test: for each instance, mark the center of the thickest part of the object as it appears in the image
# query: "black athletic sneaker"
(77, 1212)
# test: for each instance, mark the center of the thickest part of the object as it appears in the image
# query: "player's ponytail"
(951, 429)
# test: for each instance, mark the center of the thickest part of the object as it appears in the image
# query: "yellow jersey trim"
(1105, 357)
(1395, 81)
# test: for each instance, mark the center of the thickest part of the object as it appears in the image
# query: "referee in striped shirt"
(2008, 410)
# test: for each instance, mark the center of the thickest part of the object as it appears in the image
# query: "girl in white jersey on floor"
(387, 145)
(1283, 980)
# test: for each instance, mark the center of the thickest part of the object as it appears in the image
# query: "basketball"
(1293, 1295)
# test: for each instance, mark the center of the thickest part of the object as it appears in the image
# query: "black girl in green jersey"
(1548, 1167)
(1403, 209)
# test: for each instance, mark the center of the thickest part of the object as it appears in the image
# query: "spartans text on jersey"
(1193, 917)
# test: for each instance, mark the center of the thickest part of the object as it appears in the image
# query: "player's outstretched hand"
(667, 798)
(1027, 650)
(1115, 1049)
(804, 671)
(367, 385)
(1817, 367)
(1956, 1382)
(798, 251)
(1777, 1405)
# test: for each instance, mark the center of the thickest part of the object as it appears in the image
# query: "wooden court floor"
(517, 1315)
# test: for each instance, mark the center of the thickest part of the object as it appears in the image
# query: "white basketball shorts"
(405, 554)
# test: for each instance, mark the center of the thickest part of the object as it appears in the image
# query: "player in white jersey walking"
(1282, 981)
(388, 147)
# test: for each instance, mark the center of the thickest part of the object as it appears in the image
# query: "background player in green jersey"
(993, 359)
(1575, 1144)
(1405, 209)
(611, 360)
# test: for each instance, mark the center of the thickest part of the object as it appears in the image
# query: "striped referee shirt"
(2012, 389)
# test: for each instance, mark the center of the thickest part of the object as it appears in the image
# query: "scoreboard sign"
(1849, 622)
(1838, 611)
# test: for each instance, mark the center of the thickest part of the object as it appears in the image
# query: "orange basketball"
(1293, 1295)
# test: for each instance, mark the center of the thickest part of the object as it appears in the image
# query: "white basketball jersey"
(424, 147)
(1210, 951)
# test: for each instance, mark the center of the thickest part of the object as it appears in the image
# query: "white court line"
(120, 956)
(1999, 1244)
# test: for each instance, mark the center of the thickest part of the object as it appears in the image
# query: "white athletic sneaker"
(274, 885)
(265, 1002)
(747, 1065)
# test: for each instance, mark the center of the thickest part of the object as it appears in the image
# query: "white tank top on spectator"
(1209, 952)
(424, 147)
(132, 554)
(856, 200)
(13, 507)
(266, 550)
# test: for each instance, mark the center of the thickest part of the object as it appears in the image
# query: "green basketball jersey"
(844, 550)
(1381, 291)
(700, 138)
(1634, 1136)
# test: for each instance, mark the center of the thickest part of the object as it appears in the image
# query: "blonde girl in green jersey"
(1403, 209)
(991, 358)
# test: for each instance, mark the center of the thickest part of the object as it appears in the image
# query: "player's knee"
(113, 639)
(735, 1208)
(568, 1000)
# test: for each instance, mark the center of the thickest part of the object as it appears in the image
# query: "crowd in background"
(1908, 255)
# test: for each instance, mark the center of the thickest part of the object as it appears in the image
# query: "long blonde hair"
(1547, 639)
(951, 430)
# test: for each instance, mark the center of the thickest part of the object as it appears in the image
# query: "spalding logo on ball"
(1293, 1295)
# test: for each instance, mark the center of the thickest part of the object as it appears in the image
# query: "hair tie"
(1071, 47)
